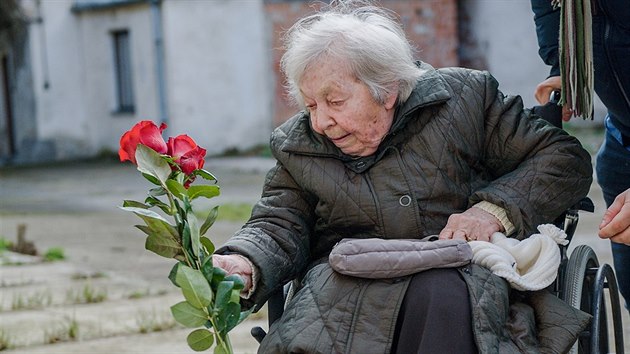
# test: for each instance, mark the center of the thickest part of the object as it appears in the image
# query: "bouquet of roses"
(211, 297)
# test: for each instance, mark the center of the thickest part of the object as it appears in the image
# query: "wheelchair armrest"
(586, 204)
(551, 112)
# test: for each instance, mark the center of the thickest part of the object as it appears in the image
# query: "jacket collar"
(430, 90)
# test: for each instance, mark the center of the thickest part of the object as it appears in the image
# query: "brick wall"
(431, 27)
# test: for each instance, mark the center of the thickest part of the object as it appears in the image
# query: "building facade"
(76, 74)
(79, 73)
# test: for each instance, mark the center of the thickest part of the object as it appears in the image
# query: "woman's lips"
(338, 139)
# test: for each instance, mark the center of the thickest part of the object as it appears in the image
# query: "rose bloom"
(145, 133)
(186, 153)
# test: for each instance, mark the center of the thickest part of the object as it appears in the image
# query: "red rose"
(145, 133)
(186, 153)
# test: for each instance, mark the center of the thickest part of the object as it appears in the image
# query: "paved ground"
(73, 206)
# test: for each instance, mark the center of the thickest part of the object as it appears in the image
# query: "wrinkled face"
(342, 108)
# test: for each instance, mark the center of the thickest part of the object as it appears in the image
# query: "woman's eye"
(336, 103)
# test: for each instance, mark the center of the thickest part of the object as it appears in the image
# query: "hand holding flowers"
(212, 298)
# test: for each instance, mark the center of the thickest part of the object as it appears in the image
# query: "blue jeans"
(613, 175)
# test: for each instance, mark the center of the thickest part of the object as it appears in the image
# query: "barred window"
(122, 67)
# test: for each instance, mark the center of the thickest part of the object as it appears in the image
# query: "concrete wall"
(218, 67)
(104, 124)
(58, 72)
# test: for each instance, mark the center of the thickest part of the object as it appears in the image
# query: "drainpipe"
(158, 41)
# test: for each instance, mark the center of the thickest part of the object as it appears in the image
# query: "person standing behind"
(611, 60)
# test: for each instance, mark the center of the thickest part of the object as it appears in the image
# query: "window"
(122, 67)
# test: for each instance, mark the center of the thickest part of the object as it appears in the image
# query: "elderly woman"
(391, 148)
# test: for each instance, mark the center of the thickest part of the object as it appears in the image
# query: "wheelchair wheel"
(580, 281)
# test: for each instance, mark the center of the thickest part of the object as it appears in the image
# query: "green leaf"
(144, 228)
(200, 339)
(176, 188)
(134, 204)
(203, 191)
(224, 291)
(151, 179)
(207, 244)
(173, 273)
(195, 242)
(153, 201)
(141, 212)
(156, 223)
(188, 315)
(152, 163)
(162, 245)
(194, 286)
(221, 349)
(207, 268)
(245, 314)
(238, 281)
(235, 296)
(227, 318)
(210, 219)
(231, 313)
(204, 174)
(218, 275)
(156, 192)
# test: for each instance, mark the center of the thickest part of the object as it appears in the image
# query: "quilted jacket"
(456, 141)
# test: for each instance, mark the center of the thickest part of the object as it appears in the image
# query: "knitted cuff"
(498, 213)
(247, 294)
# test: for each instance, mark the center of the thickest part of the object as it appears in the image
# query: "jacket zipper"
(377, 205)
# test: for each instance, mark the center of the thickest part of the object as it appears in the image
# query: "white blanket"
(530, 264)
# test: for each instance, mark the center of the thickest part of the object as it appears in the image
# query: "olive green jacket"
(456, 141)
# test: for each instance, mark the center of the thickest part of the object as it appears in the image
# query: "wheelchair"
(581, 280)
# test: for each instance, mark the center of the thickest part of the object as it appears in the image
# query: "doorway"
(7, 138)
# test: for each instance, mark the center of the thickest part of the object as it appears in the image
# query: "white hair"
(366, 38)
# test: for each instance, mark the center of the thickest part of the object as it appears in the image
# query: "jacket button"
(360, 164)
(405, 200)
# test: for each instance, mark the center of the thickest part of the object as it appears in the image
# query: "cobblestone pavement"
(74, 206)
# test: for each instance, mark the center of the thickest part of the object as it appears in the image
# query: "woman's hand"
(543, 93)
(235, 264)
(616, 222)
(473, 224)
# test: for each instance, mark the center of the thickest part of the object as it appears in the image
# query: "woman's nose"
(321, 120)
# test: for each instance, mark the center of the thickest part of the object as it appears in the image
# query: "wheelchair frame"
(581, 283)
(581, 280)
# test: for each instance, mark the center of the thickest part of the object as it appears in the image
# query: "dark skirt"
(435, 316)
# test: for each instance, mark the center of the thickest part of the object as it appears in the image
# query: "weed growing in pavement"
(139, 294)
(4, 244)
(86, 295)
(151, 322)
(36, 300)
(54, 254)
(5, 340)
(67, 331)
(87, 276)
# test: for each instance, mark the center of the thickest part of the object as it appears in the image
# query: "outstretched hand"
(616, 221)
(543, 92)
(473, 224)
(234, 264)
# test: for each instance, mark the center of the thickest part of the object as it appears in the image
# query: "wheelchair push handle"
(551, 111)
